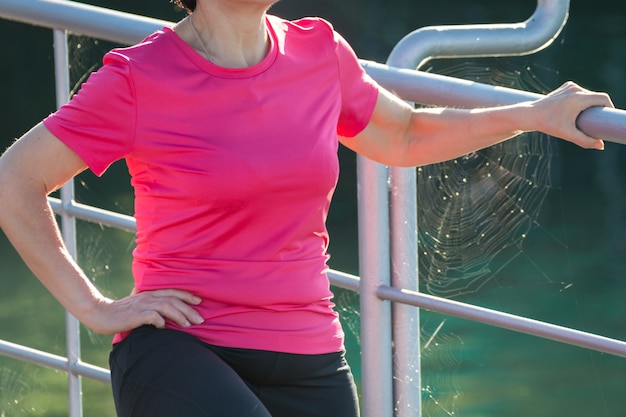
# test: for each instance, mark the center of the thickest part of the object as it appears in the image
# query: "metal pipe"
(49, 360)
(68, 228)
(504, 320)
(438, 90)
(376, 348)
(343, 280)
(98, 22)
(93, 214)
(404, 274)
(490, 40)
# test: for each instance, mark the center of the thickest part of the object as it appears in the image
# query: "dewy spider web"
(474, 212)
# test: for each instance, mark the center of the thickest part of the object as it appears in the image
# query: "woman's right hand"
(145, 308)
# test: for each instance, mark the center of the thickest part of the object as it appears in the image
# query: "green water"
(569, 271)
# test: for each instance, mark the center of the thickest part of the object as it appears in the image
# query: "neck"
(233, 33)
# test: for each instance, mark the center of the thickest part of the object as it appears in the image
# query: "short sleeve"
(359, 91)
(98, 123)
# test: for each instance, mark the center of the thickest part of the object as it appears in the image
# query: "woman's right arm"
(33, 167)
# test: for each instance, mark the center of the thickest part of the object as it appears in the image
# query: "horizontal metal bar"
(93, 372)
(344, 280)
(93, 214)
(49, 360)
(438, 90)
(98, 22)
(32, 355)
(504, 320)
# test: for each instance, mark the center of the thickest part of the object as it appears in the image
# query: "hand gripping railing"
(410, 85)
(439, 90)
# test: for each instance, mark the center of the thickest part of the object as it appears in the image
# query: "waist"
(307, 330)
(261, 284)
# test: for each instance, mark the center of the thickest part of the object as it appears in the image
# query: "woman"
(229, 123)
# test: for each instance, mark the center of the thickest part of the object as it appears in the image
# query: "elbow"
(18, 188)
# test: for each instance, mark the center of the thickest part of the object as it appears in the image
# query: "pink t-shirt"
(233, 172)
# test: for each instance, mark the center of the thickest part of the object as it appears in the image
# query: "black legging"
(172, 374)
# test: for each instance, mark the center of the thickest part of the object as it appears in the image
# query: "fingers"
(181, 295)
(174, 305)
(563, 106)
(587, 98)
(146, 308)
(581, 139)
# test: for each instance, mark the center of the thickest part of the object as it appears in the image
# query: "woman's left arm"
(400, 135)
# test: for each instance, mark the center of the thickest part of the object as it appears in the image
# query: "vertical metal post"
(68, 229)
(376, 343)
(404, 274)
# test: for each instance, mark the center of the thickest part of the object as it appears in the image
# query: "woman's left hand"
(557, 113)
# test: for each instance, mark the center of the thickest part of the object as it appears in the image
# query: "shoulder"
(308, 26)
(148, 50)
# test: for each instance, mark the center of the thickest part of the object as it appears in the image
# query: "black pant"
(161, 372)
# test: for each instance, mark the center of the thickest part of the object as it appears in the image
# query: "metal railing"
(375, 287)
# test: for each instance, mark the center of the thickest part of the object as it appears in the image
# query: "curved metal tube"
(491, 40)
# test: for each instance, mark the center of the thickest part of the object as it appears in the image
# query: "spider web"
(475, 212)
